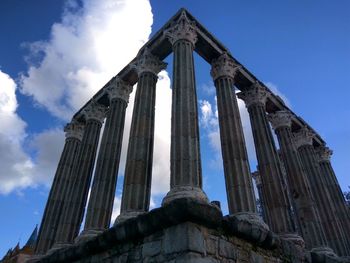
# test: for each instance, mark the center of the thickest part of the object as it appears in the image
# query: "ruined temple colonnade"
(303, 205)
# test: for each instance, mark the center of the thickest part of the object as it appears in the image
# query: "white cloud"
(87, 48)
(15, 166)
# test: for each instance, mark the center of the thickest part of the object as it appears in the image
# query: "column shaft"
(100, 206)
(303, 202)
(239, 187)
(277, 208)
(330, 223)
(57, 196)
(73, 211)
(185, 148)
(138, 170)
(332, 185)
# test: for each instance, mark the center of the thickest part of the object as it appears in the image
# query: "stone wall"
(183, 231)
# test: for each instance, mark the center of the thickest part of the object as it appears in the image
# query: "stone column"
(332, 185)
(61, 182)
(138, 169)
(277, 206)
(73, 210)
(185, 163)
(239, 186)
(101, 200)
(302, 199)
(331, 225)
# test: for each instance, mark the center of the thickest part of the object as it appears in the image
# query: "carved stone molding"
(223, 66)
(280, 119)
(183, 29)
(95, 111)
(324, 153)
(147, 62)
(119, 89)
(256, 94)
(74, 129)
(303, 137)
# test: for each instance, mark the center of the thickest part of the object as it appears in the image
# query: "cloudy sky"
(54, 55)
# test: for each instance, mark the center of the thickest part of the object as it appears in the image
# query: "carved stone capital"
(74, 129)
(223, 66)
(324, 153)
(183, 29)
(280, 119)
(95, 111)
(256, 94)
(119, 89)
(257, 177)
(147, 62)
(303, 137)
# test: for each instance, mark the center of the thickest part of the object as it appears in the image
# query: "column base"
(56, 247)
(87, 234)
(250, 226)
(294, 238)
(190, 192)
(127, 215)
(321, 254)
(34, 258)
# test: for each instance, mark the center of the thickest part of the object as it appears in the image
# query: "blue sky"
(55, 54)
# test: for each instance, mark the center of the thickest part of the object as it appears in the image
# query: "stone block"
(256, 258)
(227, 249)
(194, 258)
(151, 249)
(211, 244)
(183, 237)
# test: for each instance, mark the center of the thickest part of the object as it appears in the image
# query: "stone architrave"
(138, 169)
(302, 199)
(336, 194)
(101, 200)
(58, 193)
(185, 161)
(335, 238)
(239, 186)
(277, 208)
(73, 210)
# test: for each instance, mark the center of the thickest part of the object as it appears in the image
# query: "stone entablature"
(74, 130)
(224, 66)
(95, 111)
(147, 62)
(119, 89)
(183, 29)
(280, 119)
(256, 94)
(303, 137)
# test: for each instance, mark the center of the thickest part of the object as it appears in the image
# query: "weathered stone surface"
(151, 249)
(227, 249)
(183, 237)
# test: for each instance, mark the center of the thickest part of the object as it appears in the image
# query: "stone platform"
(185, 231)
